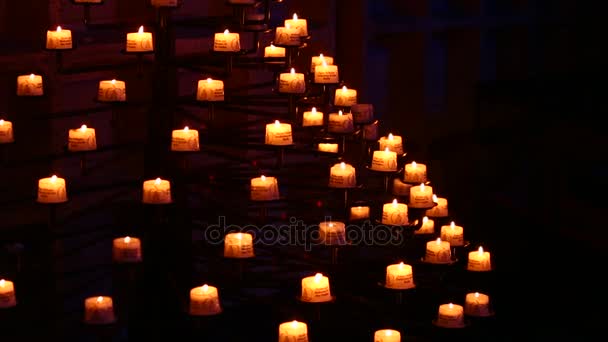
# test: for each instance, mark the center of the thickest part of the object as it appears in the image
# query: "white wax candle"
(204, 301)
(450, 316)
(438, 252)
(477, 304)
(453, 234)
(394, 213)
(99, 310)
(293, 332)
(341, 123)
(315, 289)
(157, 191)
(6, 132)
(428, 226)
(287, 35)
(328, 147)
(384, 160)
(292, 82)
(238, 245)
(400, 188)
(300, 24)
(112, 91)
(82, 139)
(318, 60)
(29, 85)
(52, 190)
(126, 249)
(440, 210)
(332, 232)
(164, 3)
(264, 189)
(421, 196)
(392, 142)
(227, 42)
(414, 173)
(274, 51)
(359, 213)
(184, 140)
(479, 261)
(345, 97)
(140, 41)
(387, 335)
(278, 134)
(399, 276)
(59, 39)
(362, 112)
(342, 175)
(7, 294)
(326, 73)
(210, 90)
(312, 118)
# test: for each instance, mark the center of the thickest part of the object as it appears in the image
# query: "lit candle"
(394, 213)
(477, 304)
(328, 147)
(112, 91)
(428, 226)
(29, 85)
(440, 210)
(164, 3)
(332, 232)
(400, 188)
(450, 316)
(359, 213)
(52, 190)
(318, 60)
(82, 139)
(7, 294)
(287, 35)
(362, 112)
(384, 160)
(479, 260)
(292, 82)
(315, 289)
(204, 301)
(392, 142)
(341, 123)
(184, 140)
(438, 252)
(421, 196)
(140, 41)
(238, 245)
(278, 133)
(345, 97)
(312, 118)
(227, 42)
(264, 189)
(342, 176)
(326, 73)
(414, 173)
(293, 332)
(126, 249)
(387, 335)
(453, 234)
(274, 51)
(300, 24)
(99, 310)
(210, 90)
(58, 39)
(157, 191)
(370, 131)
(399, 276)
(6, 132)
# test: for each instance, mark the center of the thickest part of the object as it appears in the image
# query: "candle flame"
(359, 207)
(435, 199)
(114, 81)
(2, 281)
(388, 332)
(480, 250)
(438, 241)
(401, 265)
(32, 76)
(53, 179)
(99, 299)
(226, 31)
(476, 294)
(340, 113)
(387, 149)
(1, 122)
(295, 16)
(390, 136)
(205, 288)
(425, 220)
(451, 306)
(318, 277)
(58, 28)
(395, 202)
(141, 29)
(314, 109)
(272, 47)
(186, 128)
(331, 224)
(209, 80)
(344, 89)
(294, 324)
(414, 165)
(276, 122)
(157, 181)
(342, 165)
(263, 178)
(239, 236)
(127, 239)
(422, 187)
(452, 225)
(83, 128)
(293, 71)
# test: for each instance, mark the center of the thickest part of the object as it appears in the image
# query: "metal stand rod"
(59, 61)
(263, 213)
(83, 164)
(280, 157)
(86, 17)
(399, 298)
(211, 111)
(345, 198)
(334, 255)
(386, 183)
(229, 64)
(52, 219)
(140, 65)
(292, 106)
(343, 144)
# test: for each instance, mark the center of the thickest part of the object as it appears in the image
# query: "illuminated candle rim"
(288, 26)
(401, 265)
(324, 63)
(435, 198)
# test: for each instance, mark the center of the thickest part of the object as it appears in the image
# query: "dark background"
(502, 100)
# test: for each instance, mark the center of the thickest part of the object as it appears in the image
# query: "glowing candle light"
(299, 24)
(6, 132)
(274, 51)
(59, 39)
(227, 42)
(157, 191)
(126, 250)
(394, 213)
(210, 90)
(140, 41)
(204, 301)
(318, 60)
(82, 139)
(421, 196)
(292, 82)
(479, 261)
(428, 226)
(316, 289)
(293, 331)
(99, 310)
(7, 294)
(345, 97)
(185, 140)
(359, 213)
(453, 234)
(312, 118)
(238, 245)
(399, 276)
(332, 232)
(384, 160)
(287, 35)
(414, 173)
(450, 316)
(477, 304)
(52, 190)
(438, 252)
(392, 142)
(326, 73)
(342, 175)
(29, 85)
(341, 122)
(264, 189)
(278, 133)
(440, 210)
(387, 335)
